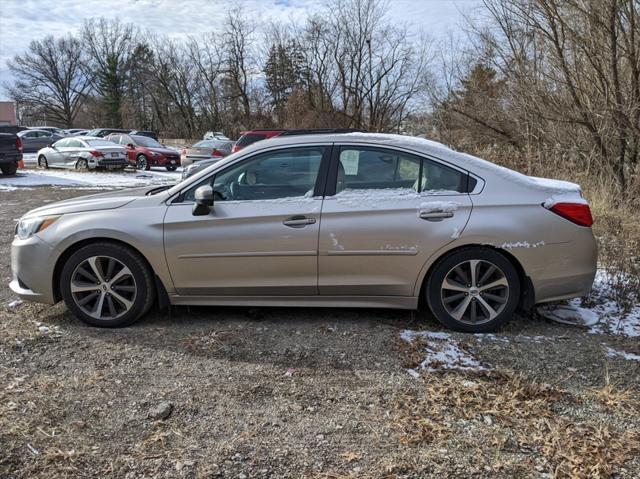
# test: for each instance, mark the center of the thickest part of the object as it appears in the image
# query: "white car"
(82, 153)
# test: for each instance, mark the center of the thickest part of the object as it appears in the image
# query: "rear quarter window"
(246, 140)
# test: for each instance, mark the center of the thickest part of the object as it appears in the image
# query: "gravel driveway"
(239, 392)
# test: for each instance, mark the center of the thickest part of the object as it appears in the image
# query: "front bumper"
(32, 265)
(164, 161)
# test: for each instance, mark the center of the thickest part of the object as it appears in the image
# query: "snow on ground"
(612, 317)
(442, 352)
(614, 353)
(93, 179)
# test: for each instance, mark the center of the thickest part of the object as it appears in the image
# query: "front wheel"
(42, 162)
(107, 285)
(142, 163)
(474, 290)
(172, 168)
(9, 169)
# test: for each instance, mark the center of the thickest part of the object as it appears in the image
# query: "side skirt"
(392, 302)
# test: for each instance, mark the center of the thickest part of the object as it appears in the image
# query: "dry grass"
(514, 416)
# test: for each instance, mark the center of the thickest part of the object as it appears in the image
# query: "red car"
(144, 152)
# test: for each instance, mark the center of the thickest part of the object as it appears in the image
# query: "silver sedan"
(82, 153)
(343, 220)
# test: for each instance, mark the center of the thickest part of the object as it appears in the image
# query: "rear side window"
(363, 168)
(249, 138)
(99, 143)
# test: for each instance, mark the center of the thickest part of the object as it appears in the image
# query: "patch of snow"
(520, 244)
(571, 315)
(441, 353)
(336, 244)
(455, 234)
(614, 320)
(572, 197)
(613, 353)
(15, 303)
(88, 179)
(437, 206)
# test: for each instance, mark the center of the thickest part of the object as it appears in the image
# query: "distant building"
(8, 113)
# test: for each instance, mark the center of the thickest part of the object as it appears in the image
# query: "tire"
(9, 169)
(43, 163)
(107, 304)
(172, 168)
(142, 163)
(472, 307)
(82, 164)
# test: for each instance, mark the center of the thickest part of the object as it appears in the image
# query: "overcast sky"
(24, 20)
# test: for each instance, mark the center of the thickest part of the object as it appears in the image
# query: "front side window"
(278, 174)
(364, 168)
(75, 144)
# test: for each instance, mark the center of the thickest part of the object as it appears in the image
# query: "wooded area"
(531, 82)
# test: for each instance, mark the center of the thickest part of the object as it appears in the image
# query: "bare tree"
(50, 79)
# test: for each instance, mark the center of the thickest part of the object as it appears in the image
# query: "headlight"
(30, 226)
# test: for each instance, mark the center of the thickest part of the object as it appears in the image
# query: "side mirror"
(130, 146)
(203, 201)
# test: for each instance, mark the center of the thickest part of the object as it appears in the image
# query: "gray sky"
(24, 20)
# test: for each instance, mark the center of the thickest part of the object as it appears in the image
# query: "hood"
(100, 201)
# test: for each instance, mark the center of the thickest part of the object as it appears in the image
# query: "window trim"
(321, 178)
(332, 180)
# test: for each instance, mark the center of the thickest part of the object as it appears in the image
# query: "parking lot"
(240, 392)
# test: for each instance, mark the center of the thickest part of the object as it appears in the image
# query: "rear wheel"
(473, 290)
(142, 163)
(9, 168)
(82, 164)
(42, 162)
(107, 285)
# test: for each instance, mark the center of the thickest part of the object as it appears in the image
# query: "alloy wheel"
(103, 287)
(475, 291)
(141, 163)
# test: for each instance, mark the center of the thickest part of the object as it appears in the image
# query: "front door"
(390, 212)
(261, 237)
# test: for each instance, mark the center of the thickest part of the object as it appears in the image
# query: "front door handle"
(298, 221)
(435, 215)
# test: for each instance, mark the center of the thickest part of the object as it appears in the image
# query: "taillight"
(216, 153)
(578, 213)
(18, 144)
(97, 154)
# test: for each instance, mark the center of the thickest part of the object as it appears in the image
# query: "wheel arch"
(527, 292)
(162, 296)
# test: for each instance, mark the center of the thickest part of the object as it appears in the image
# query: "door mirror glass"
(130, 146)
(203, 201)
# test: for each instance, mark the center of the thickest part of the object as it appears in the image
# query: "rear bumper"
(108, 162)
(7, 158)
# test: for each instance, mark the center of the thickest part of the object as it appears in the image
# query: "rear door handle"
(298, 221)
(435, 215)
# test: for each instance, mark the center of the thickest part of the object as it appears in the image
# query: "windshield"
(146, 141)
(100, 143)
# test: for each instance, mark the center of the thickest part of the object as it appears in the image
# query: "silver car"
(82, 153)
(342, 220)
(205, 150)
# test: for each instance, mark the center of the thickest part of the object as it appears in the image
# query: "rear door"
(385, 213)
(261, 237)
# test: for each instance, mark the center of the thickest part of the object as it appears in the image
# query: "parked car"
(215, 135)
(10, 153)
(51, 129)
(359, 220)
(150, 134)
(76, 132)
(102, 132)
(249, 137)
(33, 140)
(144, 152)
(198, 166)
(12, 129)
(82, 153)
(205, 149)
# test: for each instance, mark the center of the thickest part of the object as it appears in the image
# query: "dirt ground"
(288, 393)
